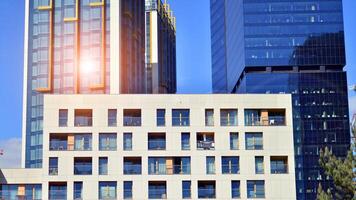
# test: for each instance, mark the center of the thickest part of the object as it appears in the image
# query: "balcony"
(70, 142)
(132, 165)
(57, 190)
(83, 117)
(205, 141)
(58, 145)
(270, 117)
(168, 165)
(157, 190)
(206, 190)
(132, 117)
(83, 166)
(156, 141)
(279, 164)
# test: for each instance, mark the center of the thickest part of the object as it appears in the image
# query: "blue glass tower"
(288, 46)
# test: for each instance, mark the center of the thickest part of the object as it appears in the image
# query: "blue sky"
(193, 55)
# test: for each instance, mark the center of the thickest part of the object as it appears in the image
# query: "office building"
(161, 147)
(294, 47)
(80, 47)
(160, 48)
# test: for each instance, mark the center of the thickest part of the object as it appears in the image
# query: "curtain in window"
(210, 165)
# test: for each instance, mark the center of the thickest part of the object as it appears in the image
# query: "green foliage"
(341, 171)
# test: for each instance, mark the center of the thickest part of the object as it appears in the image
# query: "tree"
(342, 173)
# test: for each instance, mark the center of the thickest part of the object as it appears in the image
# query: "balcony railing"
(206, 193)
(57, 194)
(206, 145)
(279, 168)
(265, 121)
(58, 145)
(83, 121)
(169, 170)
(157, 194)
(7, 196)
(180, 121)
(132, 121)
(230, 169)
(82, 169)
(132, 169)
(53, 171)
(228, 121)
(157, 145)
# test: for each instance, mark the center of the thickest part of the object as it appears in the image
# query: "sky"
(193, 60)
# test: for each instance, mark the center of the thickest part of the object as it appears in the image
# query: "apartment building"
(221, 146)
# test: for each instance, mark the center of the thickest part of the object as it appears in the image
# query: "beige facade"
(208, 136)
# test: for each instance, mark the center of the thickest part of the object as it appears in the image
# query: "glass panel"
(255, 189)
(185, 141)
(186, 189)
(103, 166)
(228, 117)
(107, 190)
(230, 165)
(259, 166)
(112, 117)
(127, 189)
(107, 141)
(210, 165)
(161, 117)
(235, 189)
(78, 190)
(63, 118)
(209, 117)
(254, 141)
(234, 141)
(127, 141)
(53, 166)
(180, 117)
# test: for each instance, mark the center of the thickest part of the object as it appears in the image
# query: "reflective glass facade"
(320, 119)
(69, 53)
(160, 48)
(289, 46)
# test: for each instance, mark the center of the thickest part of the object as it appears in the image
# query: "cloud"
(11, 157)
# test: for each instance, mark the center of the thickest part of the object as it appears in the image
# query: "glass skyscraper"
(160, 48)
(288, 46)
(79, 47)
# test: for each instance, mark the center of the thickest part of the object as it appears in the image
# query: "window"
(185, 141)
(112, 117)
(107, 190)
(53, 166)
(259, 166)
(264, 117)
(235, 189)
(180, 117)
(103, 165)
(57, 190)
(205, 141)
(82, 142)
(156, 141)
(157, 190)
(186, 189)
(209, 117)
(83, 117)
(255, 189)
(230, 165)
(210, 165)
(127, 189)
(63, 118)
(279, 164)
(107, 141)
(234, 141)
(59, 142)
(132, 117)
(132, 165)
(161, 117)
(127, 141)
(206, 190)
(83, 166)
(228, 117)
(254, 141)
(78, 190)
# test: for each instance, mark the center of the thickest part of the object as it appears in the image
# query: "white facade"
(277, 143)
